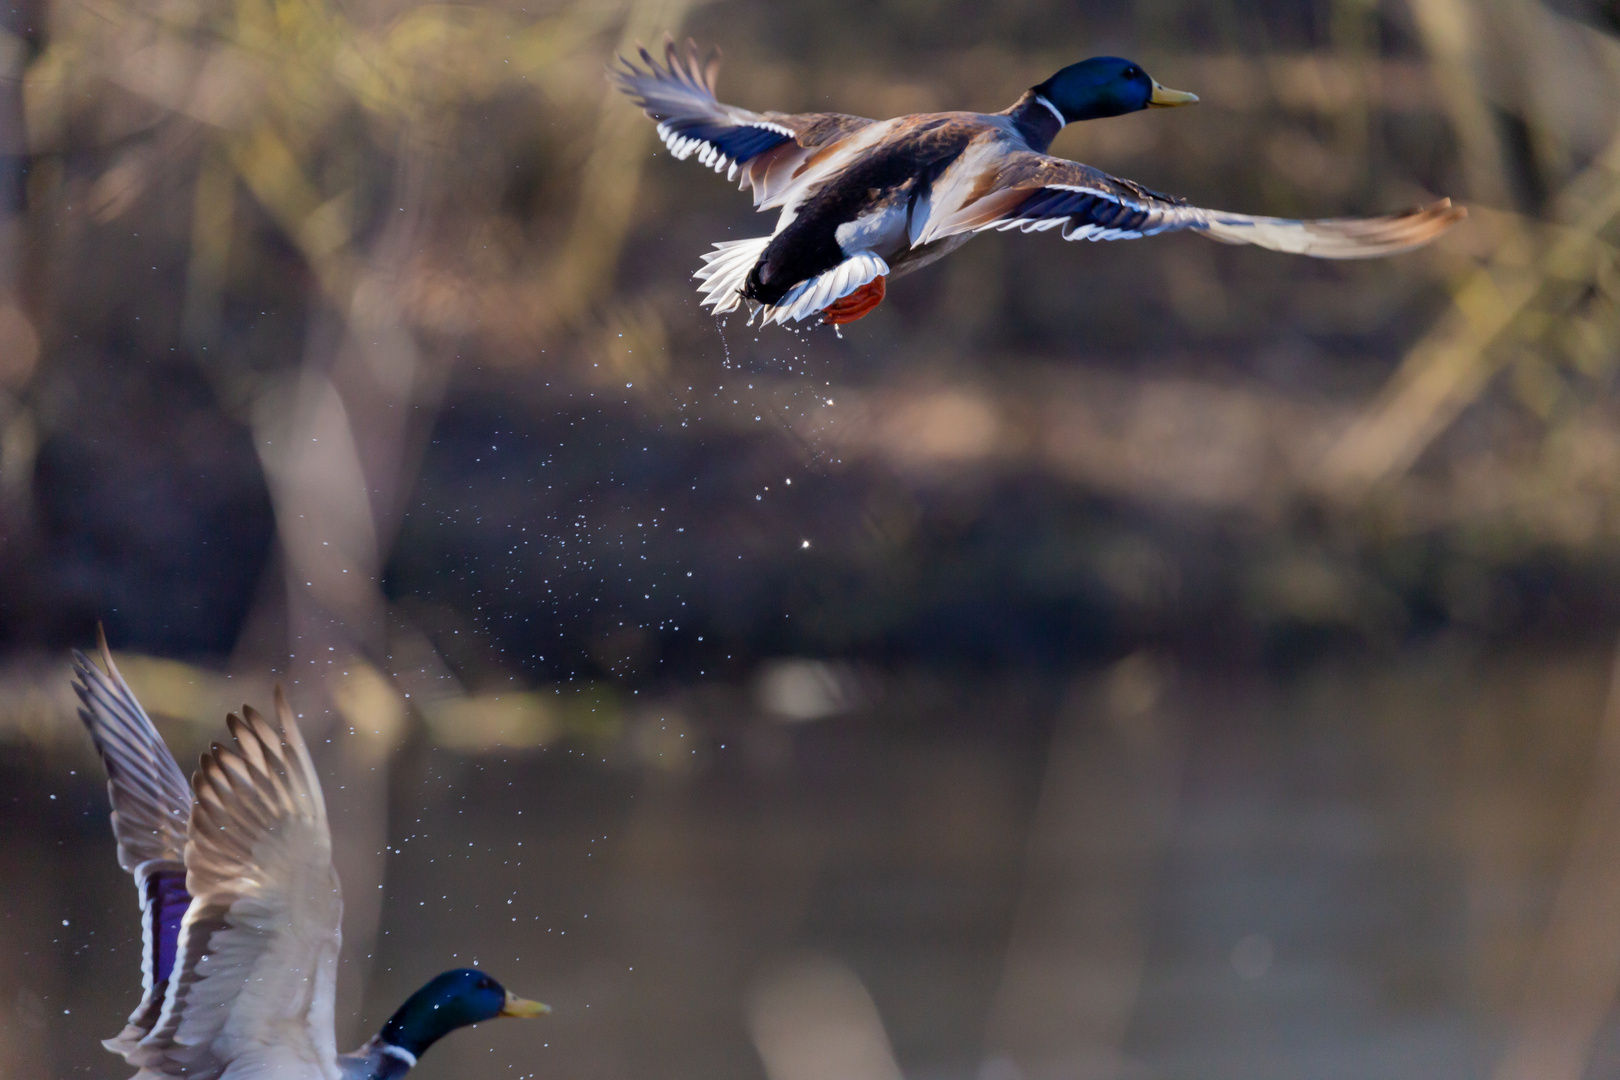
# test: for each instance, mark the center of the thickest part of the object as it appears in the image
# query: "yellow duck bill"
(1164, 97)
(516, 1006)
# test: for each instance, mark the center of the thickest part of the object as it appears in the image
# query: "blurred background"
(1150, 659)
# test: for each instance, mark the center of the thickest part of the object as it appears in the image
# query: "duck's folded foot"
(857, 304)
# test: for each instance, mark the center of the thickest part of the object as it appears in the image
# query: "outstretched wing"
(767, 149)
(151, 804)
(1034, 192)
(253, 983)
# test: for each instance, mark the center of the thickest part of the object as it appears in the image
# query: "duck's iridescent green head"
(449, 1001)
(1107, 86)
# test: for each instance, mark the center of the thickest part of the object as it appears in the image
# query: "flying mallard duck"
(240, 907)
(865, 200)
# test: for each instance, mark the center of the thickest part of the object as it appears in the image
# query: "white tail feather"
(817, 294)
(725, 271)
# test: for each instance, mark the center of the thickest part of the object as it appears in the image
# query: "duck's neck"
(377, 1060)
(1036, 119)
(427, 1016)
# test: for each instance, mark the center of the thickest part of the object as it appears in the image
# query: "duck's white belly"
(883, 231)
(277, 1063)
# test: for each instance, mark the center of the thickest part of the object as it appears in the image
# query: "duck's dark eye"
(1133, 72)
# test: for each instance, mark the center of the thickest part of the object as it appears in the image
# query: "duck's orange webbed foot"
(857, 304)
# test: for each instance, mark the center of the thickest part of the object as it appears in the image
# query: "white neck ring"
(399, 1052)
(1062, 123)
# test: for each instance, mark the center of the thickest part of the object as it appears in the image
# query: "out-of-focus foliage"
(293, 228)
(352, 343)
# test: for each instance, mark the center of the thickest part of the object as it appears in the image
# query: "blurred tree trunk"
(341, 443)
(340, 449)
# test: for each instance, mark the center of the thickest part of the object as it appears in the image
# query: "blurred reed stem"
(611, 175)
(213, 215)
(1451, 38)
(1449, 368)
(1574, 978)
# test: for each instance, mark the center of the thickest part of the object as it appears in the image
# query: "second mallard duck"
(862, 200)
(240, 907)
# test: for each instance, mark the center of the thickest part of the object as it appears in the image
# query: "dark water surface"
(1142, 871)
